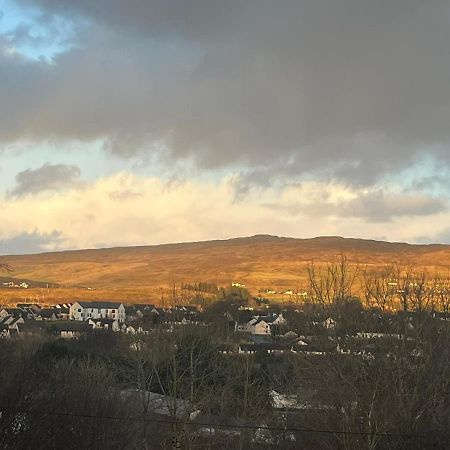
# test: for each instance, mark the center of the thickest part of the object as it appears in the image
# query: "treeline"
(391, 288)
(388, 288)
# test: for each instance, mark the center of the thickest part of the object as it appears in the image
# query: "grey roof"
(17, 312)
(103, 321)
(159, 403)
(143, 306)
(48, 312)
(71, 326)
(100, 304)
(31, 326)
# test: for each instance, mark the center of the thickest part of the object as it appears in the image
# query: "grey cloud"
(373, 206)
(379, 207)
(348, 89)
(47, 177)
(443, 237)
(32, 242)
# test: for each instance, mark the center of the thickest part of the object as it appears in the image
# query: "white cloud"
(125, 209)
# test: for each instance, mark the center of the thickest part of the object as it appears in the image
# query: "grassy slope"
(259, 262)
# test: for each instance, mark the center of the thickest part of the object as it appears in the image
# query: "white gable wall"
(78, 312)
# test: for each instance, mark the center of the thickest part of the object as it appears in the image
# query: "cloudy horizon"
(164, 121)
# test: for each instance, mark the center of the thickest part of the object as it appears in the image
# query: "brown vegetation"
(259, 262)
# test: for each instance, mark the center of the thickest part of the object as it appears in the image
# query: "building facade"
(81, 310)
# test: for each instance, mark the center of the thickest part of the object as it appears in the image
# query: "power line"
(248, 427)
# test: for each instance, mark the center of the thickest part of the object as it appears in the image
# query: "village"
(263, 328)
(273, 362)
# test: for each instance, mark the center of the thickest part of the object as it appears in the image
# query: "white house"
(329, 323)
(262, 324)
(105, 324)
(4, 331)
(260, 327)
(81, 310)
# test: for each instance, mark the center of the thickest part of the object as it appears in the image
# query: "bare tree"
(379, 287)
(333, 282)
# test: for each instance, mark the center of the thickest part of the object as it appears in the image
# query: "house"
(131, 329)
(304, 400)
(138, 311)
(83, 311)
(70, 330)
(187, 309)
(47, 314)
(30, 310)
(63, 311)
(248, 349)
(262, 324)
(226, 349)
(4, 331)
(266, 347)
(163, 405)
(104, 324)
(132, 313)
(185, 314)
(12, 321)
(30, 327)
(329, 323)
(13, 312)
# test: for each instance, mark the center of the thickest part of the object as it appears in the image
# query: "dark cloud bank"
(350, 89)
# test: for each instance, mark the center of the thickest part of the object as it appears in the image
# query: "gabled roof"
(141, 306)
(261, 320)
(48, 312)
(29, 306)
(16, 312)
(14, 321)
(187, 308)
(100, 304)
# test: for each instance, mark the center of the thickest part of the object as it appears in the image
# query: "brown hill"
(263, 261)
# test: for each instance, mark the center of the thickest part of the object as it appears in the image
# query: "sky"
(156, 121)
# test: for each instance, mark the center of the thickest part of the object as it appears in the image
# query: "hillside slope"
(258, 261)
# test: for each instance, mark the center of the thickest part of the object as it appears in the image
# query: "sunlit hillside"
(259, 262)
